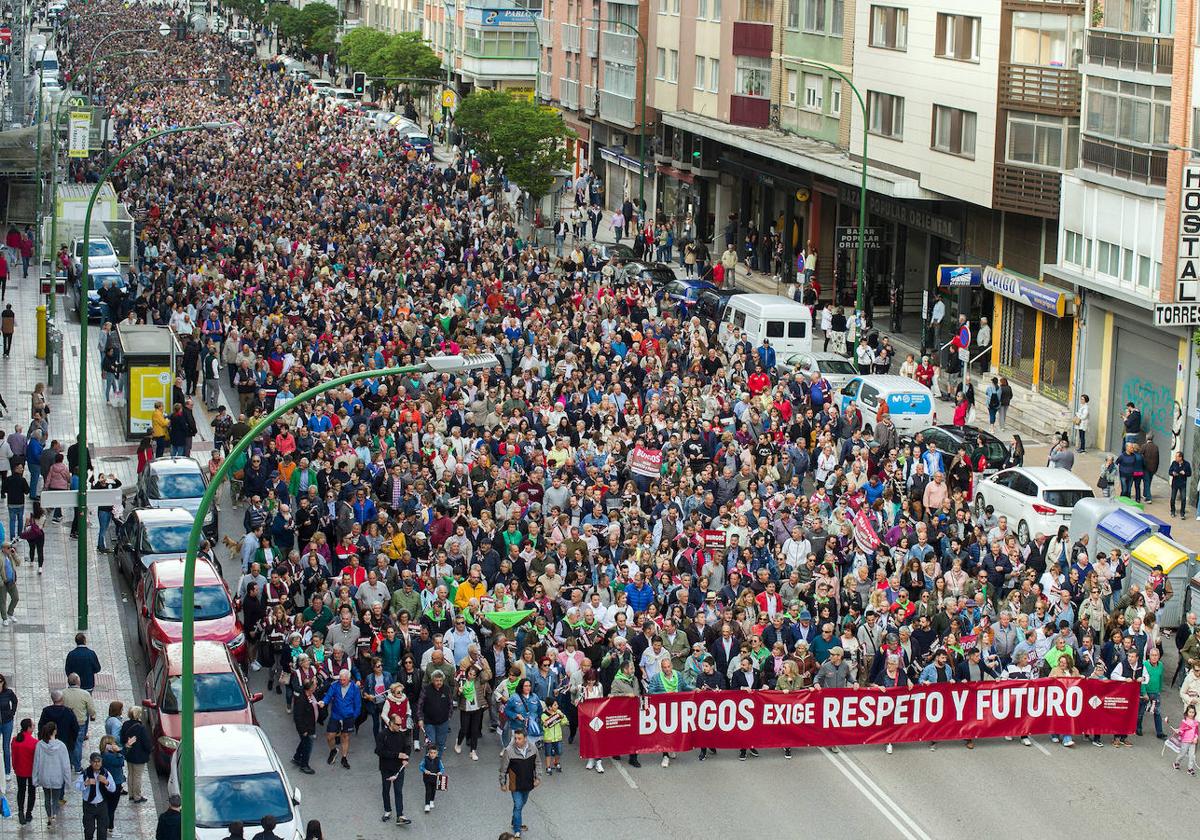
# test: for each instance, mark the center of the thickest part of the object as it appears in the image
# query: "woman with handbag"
(35, 535)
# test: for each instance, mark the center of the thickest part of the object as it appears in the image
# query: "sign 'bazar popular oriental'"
(689, 720)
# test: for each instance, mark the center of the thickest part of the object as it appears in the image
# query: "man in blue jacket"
(640, 594)
(344, 702)
(84, 662)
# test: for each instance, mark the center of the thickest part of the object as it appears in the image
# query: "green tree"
(359, 45)
(405, 54)
(323, 41)
(529, 141)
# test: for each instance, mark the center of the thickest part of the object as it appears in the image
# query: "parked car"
(1036, 500)
(159, 600)
(712, 302)
(97, 310)
(175, 483)
(322, 87)
(344, 95)
(239, 778)
(656, 275)
(681, 291)
(910, 404)
(979, 443)
(221, 695)
(835, 368)
(623, 253)
(242, 40)
(148, 536)
(101, 254)
(417, 142)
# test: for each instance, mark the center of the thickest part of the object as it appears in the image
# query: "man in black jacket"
(82, 660)
(392, 747)
(747, 678)
(437, 702)
(304, 716)
(63, 717)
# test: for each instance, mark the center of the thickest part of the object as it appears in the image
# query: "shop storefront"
(1033, 332)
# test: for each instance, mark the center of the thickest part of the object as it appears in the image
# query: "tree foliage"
(254, 10)
(312, 28)
(382, 56)
(528, 140)
(360, 44)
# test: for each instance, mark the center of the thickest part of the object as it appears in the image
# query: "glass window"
(1047, 40)
(175, 485)
(1129, 112)
(886, 114)
(165, 539)
(673, 66)
(716, 6)
(797, 329)
(793, 14)
(814, 88)
(837, 11)
(714, 74)
(775, 329)
(835, 97)
(214, 693)
(759, 11)
(753, 76)
(953, 131)
(814, 15)
(1041, 140)
(221, 800)
(662, 63)
(698, 82)
(889, 27)
(211, 602)
(957, 37)
(701, 9)
(793, 84)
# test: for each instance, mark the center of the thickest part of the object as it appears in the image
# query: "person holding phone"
(93, 782)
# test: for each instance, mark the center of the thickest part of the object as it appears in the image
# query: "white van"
(909, 403)
(780, 320)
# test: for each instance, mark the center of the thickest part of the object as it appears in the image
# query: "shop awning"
(1158, 551)
(1123, 526)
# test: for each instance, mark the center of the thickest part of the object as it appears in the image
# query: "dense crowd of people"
(437, 558)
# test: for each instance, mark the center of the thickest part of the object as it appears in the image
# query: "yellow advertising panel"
(148, 384)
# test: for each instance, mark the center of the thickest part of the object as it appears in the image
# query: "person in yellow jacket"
(473, 587)
(159, 427)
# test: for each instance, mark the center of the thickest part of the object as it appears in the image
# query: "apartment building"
(490, 44)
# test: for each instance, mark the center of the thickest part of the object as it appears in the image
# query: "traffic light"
(360, 83)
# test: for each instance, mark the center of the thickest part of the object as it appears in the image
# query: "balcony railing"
(589, 100)
(617, 107)
(545, 27)
(1047, 90)
(1022, 189)
(751, 38)
(544, 90)
(568, 93)
(751, 111)
(591, 37)
(1144, 53)
(570, 37)
(621, 48)
(1146, 166)
(1064, 5)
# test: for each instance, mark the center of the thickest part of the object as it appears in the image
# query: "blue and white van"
(909, 402)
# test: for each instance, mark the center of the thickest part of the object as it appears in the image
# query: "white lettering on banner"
(690, 716)
(1187, 277)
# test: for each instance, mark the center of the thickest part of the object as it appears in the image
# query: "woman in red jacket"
(24, 744)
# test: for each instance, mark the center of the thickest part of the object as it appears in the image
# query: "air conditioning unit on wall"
(617, 138)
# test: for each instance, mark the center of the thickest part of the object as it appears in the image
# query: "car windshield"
(659, 275)
(211, 602)
(214, 693)
(166, 538)
(175, 485)
(99, 249)
(1066, 498)
(99, 281)
(221, 800)
(842, 366)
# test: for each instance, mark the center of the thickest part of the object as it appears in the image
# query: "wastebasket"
(54, 359)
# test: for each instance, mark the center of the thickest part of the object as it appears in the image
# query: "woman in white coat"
(51, 770)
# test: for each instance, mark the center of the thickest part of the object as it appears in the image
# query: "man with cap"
(806, 631)
(833, 673)
(92, 782)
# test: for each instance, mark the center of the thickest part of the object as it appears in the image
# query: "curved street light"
(187, 678)
(81, 493)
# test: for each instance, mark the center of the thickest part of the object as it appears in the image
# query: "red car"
(159, 597)
(222, 695)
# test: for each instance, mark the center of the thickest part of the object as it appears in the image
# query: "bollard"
(41, 332)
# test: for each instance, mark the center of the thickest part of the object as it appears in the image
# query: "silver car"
(837, 369)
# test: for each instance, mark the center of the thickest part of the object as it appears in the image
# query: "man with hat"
(92, 782)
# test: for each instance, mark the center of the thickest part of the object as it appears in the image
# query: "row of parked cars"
(239, 777)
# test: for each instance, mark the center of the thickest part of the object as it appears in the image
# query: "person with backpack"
(992, 395)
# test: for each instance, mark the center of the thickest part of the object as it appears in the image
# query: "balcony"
(751, 38)
(620, 48)
(545, 27)
(570, 37)
(617, 108)
(1121, 160)
(750, 111)
(591, 37)
(589, 100)
(568, 94)
(1021, 189)
(544, 87)
(1143, 53)
(1046, 90)
(1075, 6)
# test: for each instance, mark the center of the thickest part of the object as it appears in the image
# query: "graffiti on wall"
(1160, 412)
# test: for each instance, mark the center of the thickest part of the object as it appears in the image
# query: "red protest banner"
(837, 717)
(647, 462)
(864, 533)
(710, 538)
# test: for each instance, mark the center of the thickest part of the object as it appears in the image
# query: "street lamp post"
(81, 493)
(187, 702)
(645, 96)
(862, 193)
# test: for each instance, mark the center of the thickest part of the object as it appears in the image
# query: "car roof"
(1054, 478)
(893, 381)
(208, 658)
(164, 516)
(169, 573)
(174, 465)
(232, 749)
(825, 356)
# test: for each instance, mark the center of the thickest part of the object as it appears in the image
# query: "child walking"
(431, 767)
(1189, 729)
(552, 735)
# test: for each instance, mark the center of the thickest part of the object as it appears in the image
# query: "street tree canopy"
(528, 140)
(312, 28)
(380, 55)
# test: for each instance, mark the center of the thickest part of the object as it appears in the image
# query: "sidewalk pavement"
(32, 650)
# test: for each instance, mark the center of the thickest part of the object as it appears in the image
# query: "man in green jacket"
(406, 598)
(1152, 681)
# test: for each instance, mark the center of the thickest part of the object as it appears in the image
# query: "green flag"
(506, 619)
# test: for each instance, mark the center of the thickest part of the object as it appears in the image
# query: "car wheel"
(1023, 533)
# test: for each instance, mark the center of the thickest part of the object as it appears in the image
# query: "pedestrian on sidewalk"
(159, 429)
(24, 748)
(33, 457)
(93, 783)
(8, 713)
(78, 701)
(1081, 421)
(34, 534)
(135, 740)
(9, 596)
(8, 326)
(304, 716)
(519, 775)
(38, 406)
(82, 660)
(431, 770)
(1150, 461)
(3, 275)
(114, 766)
(170, 821)
(51, 770)
(15, 490)
(392, 747)
(1179, 471)
(26, 251)
(617, 223)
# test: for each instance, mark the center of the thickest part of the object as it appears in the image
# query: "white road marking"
(1040, 747)
(620, 765)
(892, 812)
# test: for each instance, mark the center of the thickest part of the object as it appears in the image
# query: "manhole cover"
(116, 459)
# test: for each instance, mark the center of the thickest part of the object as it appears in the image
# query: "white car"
(322, 87)
(239, 777)
(101, 253)
(837, 369)
(1035, 500)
